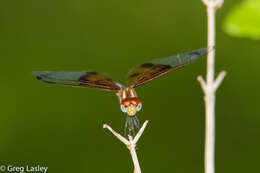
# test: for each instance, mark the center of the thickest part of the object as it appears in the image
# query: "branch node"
(218, 4)
(130, 144)
(215, 4)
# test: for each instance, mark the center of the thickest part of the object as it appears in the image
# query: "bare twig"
(219, 79)
(210, 86)
(202, 83)
(138, 135)
(121, 138)
(131, 144)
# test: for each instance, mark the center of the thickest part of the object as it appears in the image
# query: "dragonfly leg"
(136, 121)
(126, 124)
(132, 126)
(129, 131)
(131, 123)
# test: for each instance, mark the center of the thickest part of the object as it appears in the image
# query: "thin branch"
(131, 147)
(205, 2)
(202, 83)
(219, 79)
(138, 135)
(209, 87)
(121, 138)
(131, 144)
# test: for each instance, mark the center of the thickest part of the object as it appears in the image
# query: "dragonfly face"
(131, 106)
(138, 76)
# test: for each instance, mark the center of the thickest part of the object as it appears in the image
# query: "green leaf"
(244, 20)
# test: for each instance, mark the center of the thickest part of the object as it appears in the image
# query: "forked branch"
(130, 144)
(216, 83)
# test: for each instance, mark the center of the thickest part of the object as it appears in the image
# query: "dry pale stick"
(131, 143)
(210, 86)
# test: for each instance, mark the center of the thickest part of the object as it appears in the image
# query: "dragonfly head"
(130, 106)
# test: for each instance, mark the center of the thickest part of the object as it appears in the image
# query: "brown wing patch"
(98, 80)
(158, 67)
(147, 65)
(90, 79)
(146, 72)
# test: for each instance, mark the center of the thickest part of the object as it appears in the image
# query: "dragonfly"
(130, 104)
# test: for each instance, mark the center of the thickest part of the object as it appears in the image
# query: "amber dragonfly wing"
(84, 79)
(158, 67)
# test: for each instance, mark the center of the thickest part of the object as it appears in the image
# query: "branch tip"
(121, 138)
(219, 79)
(138, 135)
(202, 83)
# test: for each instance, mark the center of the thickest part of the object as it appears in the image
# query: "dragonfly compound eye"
(123, 109)
(139, 107)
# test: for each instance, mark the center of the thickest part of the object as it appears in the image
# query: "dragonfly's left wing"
(89, 79)
(158, 67)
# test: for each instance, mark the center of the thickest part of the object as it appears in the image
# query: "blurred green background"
(61, 127)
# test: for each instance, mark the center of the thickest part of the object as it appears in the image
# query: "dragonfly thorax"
(125, 93)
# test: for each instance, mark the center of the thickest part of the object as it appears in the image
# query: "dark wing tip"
(37, 75)
(202, 51)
